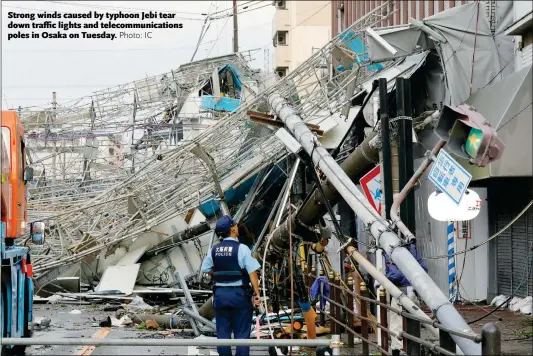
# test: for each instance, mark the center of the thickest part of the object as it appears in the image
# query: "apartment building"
(299, 28)
(345, 12)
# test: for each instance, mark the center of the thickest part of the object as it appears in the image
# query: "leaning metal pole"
(358, 162)
(385, 238)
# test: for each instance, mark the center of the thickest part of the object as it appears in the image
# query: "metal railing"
(341, 318)
(333, 343)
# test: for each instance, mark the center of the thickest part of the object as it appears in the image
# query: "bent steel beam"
(355, 165)
(385, 238)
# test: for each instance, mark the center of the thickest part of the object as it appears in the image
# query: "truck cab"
(16, 284)
(14, 174)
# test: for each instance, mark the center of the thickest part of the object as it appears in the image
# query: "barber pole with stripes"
(451, 261)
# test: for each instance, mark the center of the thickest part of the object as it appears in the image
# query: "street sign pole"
(371, 185)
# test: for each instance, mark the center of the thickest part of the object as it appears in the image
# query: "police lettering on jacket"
(223, 251)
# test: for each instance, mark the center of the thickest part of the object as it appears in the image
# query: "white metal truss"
(170, 182)
(80, 149)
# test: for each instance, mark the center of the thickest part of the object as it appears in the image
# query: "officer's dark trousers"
(233, 313)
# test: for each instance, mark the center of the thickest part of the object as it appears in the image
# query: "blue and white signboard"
(449, 176)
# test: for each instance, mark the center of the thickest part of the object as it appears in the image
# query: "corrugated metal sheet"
(515, 255)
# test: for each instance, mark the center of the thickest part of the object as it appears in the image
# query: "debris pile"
(514, 304)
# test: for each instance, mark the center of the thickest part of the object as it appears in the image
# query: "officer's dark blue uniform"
(231, 263)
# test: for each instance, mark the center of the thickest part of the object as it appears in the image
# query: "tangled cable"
(486, 241)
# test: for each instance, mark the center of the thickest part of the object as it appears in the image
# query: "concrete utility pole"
(385, 237)
(235, 28)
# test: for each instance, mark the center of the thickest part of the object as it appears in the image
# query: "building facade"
(346, 12)
(299, 29)
(522, 29)
(503, 232)
(511, 254)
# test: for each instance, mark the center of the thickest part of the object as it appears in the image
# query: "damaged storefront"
(471, 60)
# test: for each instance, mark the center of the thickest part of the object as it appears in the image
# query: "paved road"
(66, 325)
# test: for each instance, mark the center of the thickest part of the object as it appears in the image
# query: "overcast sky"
(33, 68)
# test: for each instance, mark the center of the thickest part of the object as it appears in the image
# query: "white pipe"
(394, 291)
(379, 267)
(385, 238)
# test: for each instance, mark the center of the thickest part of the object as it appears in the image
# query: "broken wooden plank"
(264, 120)
(259, 114)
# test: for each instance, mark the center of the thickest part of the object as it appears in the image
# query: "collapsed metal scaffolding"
(81, 148)
(170, 182)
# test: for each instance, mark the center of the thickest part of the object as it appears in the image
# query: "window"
(5, 147)
(464, 230)
(281, 71)
(22, 158)
(282, 5)
(281, 38)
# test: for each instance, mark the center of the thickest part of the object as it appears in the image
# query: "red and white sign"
(371, 185)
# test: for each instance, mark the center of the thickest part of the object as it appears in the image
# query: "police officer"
(233, 269)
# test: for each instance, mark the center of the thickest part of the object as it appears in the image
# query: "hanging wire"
(486, 241)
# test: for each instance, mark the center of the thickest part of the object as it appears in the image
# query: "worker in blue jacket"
(395, 275)
(233, 269)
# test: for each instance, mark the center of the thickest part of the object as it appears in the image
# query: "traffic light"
(469, 135)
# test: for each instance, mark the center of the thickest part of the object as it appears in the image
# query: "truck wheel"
(17, 350)
(20, 350)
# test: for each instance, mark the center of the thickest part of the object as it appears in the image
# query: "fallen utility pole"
(356, 164)
(385, 238)
(394, 291)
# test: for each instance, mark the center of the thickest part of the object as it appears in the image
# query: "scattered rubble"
(40, 323)
(515, 304)
(106, 323)
(151, 324)
(138, 304)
